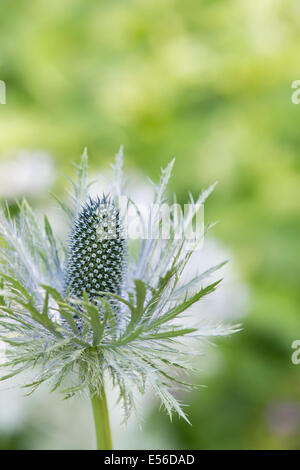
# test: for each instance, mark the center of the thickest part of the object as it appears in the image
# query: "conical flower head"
(97, 252)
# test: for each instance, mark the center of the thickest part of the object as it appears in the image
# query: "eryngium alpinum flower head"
(94, 309)
(97, 253)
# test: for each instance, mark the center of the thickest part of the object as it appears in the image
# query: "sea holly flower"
(96, 256)
(102, 305)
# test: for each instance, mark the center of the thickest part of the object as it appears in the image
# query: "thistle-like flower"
(102, 306)
(97, 253)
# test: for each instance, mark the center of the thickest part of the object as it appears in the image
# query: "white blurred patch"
(11, 404)
(29, 173)
(136, 186)
(228, 302)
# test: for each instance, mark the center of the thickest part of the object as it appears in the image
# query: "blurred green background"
(209, 82)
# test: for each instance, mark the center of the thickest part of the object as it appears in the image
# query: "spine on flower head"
(97, 252)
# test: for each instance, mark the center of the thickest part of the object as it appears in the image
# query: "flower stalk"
(101, 420)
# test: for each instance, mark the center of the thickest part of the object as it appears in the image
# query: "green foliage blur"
(208, 82)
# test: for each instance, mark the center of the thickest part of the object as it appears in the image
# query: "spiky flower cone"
(97, 252)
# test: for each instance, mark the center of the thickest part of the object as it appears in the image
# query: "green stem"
(101, 419)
